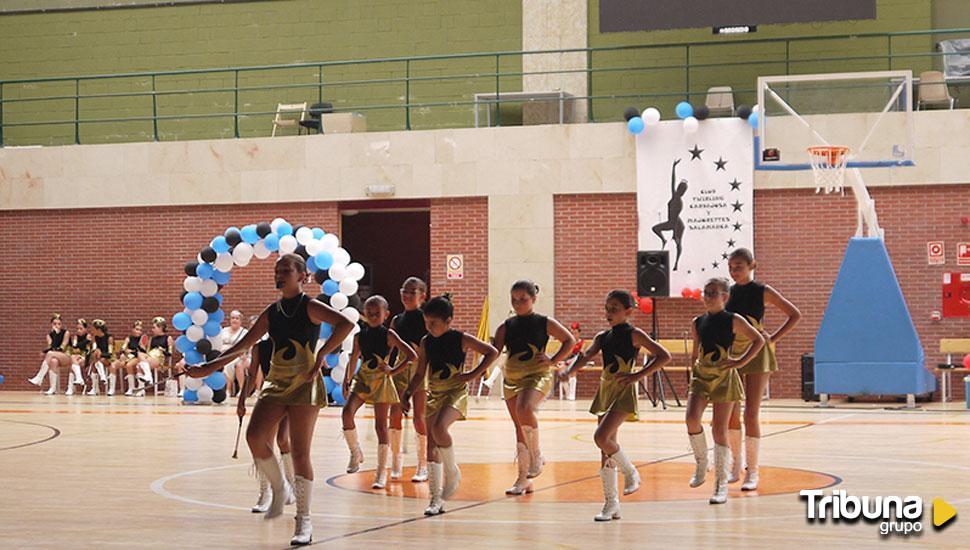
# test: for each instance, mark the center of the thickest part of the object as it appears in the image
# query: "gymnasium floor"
(92, 472)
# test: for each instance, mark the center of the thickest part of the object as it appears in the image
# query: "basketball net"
(828, 167)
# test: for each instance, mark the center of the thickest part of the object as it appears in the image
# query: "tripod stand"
(659, 377)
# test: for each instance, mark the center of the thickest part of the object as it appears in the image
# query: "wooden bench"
(951, 346)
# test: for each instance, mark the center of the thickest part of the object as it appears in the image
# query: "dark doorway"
(392, 239)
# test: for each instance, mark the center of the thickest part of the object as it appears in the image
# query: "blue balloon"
(221, 277)
(233, 228)
(323, 260)
(327, 381)
(684, 109)
(272, 242)
(211, 328)
(753, 120)
(190, 396)
(218, 297)
(184, 345)
(216, 381)
(192, 300)
(204, 271)
(1, 379)
(332, 360)
(330, 287)
(181, 320)
(193, 357)
(249, 234)
(219, 244)
(318, 233)
(326, 329)
(338, 395)
(635, 125)
(218, 316)
(311, 264)
(284, 229)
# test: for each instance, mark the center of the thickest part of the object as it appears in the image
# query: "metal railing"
(423, 91)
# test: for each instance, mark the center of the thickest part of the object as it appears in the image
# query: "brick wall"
(460, 226)
(799, 240)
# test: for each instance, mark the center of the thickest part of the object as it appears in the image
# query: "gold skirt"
(612, 396)
(454, 397)
(403, 378)
(374, 386)
(157, 354)
(715, 384)
(287, 385)
(765, 361)
(520, 377)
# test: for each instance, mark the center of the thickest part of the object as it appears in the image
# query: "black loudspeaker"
(808, 378)
(653, 273)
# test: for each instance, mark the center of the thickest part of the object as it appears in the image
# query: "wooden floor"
(85, 472)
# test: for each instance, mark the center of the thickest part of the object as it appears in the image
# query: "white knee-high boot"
(303, 531)
(698, 444)
(356, 454)
(39, 377)
(265, 494)
(536, 460)
(435, 475)
(112, 382)
(611, 508)
(290, 476)
(380, 475)
(53, 376)
(631, 477)
(451, 472)
(270, 469)
(421, 472)
(722, 469)
(78, 376)
(751, 447)
(94, 383)
(397, 459)
(522, 483)
(130, 381)
(734, 441)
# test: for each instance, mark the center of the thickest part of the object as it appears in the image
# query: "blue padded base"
(857, 378)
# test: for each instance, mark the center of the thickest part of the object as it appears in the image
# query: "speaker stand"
(659, 377)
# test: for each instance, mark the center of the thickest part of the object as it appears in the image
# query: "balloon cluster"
(329, 263)
(636, 121)
(204, 391)
(691, 293)
(644, 303)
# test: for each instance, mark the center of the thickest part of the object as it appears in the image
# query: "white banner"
(695, 196)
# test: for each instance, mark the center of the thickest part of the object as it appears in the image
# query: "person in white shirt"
(235, 370)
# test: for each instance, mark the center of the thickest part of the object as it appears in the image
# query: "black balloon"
(210, 304)
(630, 112)
(233, 237)
(208, 254)
(219, 396)
(203, 346)
(190, 268)
(212, 355)
(263, 229)
(744, 112)
(702, 112)
(301, 251)
(320, 276)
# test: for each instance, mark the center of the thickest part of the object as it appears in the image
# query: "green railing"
(426, 91)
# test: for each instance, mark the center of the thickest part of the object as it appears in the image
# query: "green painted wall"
(246, 34)
(761, 59)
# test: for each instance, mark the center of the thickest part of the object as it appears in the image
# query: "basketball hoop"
(828, 166)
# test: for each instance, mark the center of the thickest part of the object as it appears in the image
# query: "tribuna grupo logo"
(895, 515)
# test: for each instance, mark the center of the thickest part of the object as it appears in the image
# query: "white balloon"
(242, 262)
(260, 250)
(193, 383)
(344, 359)
(330, 242)
(755, 108)
(304, 235)
(313, 247)
(341, 257)
(348, 286)
(690, 125)
(348, 342)
(288, 244)
(216, 341)
(651, 116)
(338, 374)
(339, 301)
(242, 254)
(194, 333)
(205, 395)
(337, 272)
(192, 284)
(209, 288)
(276, 223)
(351, 314)
(199, 317)
(355, 271)
(223, 262)
(356, 328)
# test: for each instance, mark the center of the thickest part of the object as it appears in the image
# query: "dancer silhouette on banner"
(674, 206)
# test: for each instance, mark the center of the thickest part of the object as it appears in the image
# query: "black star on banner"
(715, 264)
(737, 206)
(737, 226)
(720, 162)
(735, 185)
(695, 153)
(731, 243)
(724, 256)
